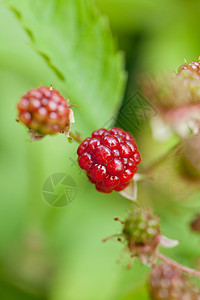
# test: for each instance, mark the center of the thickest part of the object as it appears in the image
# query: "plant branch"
(178, 266)
(174, 150)
(76, 137)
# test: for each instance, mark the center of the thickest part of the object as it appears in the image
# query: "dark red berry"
(110, 158)
(44, 111)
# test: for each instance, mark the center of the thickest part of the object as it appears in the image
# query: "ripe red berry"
(110, 158)
(44, 111)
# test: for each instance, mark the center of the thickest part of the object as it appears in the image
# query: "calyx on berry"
(110, 159)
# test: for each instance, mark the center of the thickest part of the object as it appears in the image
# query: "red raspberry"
(193, 66)
(44, 111)
(110, 158)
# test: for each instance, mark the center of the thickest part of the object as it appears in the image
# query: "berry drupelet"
(44, 111)
(193, 66)
(142, 234)
(110, 158)
(141, 227)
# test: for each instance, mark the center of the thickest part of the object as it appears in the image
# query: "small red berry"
(110, 158)
(44, 111)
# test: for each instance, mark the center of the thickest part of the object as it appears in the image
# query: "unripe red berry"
(44, 111)
(110, 158)
(168, 283)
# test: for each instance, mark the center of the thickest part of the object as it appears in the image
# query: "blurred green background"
(57, 253)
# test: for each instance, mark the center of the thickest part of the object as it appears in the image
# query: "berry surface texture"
(44, 111)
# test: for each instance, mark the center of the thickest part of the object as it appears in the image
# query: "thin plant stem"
(174, 150)
(76, 137)
(178, 266)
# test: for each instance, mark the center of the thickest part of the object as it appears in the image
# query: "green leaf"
(11, 292)
(76, 43)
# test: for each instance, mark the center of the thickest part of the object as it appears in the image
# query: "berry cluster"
(110, 159)
(44, 111)
(193, 66)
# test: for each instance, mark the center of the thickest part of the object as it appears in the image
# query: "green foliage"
(9, 292)
(76, 43)
(59, 252)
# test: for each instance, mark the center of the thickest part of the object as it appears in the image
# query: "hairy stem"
(76, 137)
(112, 236)
(178, 266)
